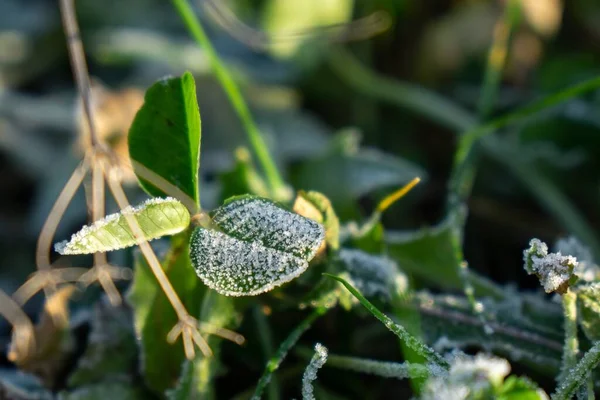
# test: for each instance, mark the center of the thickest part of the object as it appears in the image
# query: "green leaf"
(157, 217)
(165, 135)
(588, 302)
(261, 245)
(373, 276)
(111, 351)
(427, 254)
(520, 388)
(154, 316)
(316, 206)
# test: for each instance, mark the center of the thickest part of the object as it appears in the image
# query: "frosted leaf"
(372, 275)
(554, 270)
(157, 217)
(586, 269)
(254, 219)
(310, 373)
(234, 267)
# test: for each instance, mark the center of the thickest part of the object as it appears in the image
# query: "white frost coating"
(553, 269)
(372, 275)
(233, 267)
(468, 377)
(256, 219)
(86, 242)
(310, 373)
(386, 369)
(586, 269)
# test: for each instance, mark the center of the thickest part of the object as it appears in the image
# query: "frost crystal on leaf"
(554, 270)
(261, 246)
(157, 217)
(233, 267)
(586, 269)
(372, 275)
(310, 374)
(254, 219)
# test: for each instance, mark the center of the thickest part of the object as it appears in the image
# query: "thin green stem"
(577, 376)
(571, 346)
(266, 343)
(415, 344)
(234, 94)
(463, 173)
(284, 348)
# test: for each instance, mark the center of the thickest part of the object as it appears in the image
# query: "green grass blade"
(578, 375)
(397, 329)
(235, 97)
(284, 348)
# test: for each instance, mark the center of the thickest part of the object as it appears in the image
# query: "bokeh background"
(311, 90)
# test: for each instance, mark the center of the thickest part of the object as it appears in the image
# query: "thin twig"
(78, 63)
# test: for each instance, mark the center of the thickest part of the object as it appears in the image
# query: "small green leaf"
(427, 254)
(157, 217)
(260, 246)
(588, 301)
(165, 135)
(316, 206)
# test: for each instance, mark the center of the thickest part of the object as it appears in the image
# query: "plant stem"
(287, 344)
(386, 369)
(577, 376)
(571, 346)
(235, 97)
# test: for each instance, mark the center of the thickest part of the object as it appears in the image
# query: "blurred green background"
(315, 90)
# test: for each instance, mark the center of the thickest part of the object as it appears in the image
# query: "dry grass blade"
(23, 342)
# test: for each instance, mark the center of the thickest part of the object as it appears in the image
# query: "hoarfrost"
(372, 275)
(157, 217)
(233, 267)
(310, 373)
(553, 269)
(256, 219)
(586, 269)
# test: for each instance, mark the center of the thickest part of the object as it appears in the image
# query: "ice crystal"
(234, 267)
(310, 374)
(372, 275)
(554, 270)
(253, 219)
(157, 217)
(586, 269)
